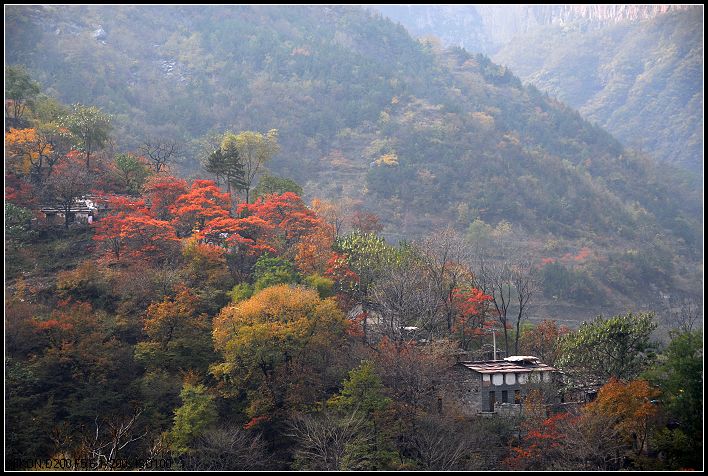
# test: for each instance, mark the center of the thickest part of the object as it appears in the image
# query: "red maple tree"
(130, 231)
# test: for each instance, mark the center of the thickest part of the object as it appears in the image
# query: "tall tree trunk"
(366, 318)
(231, 198)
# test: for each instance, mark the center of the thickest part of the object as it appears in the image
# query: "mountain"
(642, 81)
(424, 137)
(636, 70)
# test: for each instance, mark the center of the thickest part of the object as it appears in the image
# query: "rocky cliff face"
(604, 14)
(485, 28)
(503, 22)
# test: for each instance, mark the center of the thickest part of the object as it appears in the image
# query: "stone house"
(492, 385)
(84, 210)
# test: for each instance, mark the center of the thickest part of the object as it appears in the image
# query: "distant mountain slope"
(455, 25)
(641, 81)
(637, 70)
(423, 137)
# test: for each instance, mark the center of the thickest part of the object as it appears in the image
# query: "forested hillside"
(273, 238)
(344, 89)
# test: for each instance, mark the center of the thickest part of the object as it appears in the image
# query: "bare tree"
(523, 278)
(60, 145)
(494, 279)
(412, 373)
(158, 451)
(365, 222)
(511, 282)
(228, 448)
(69, 183)
(405, 295)
(447, 258)
(324, 441)
(438, 445)
(334, 213)
(682, 313)
(590, 443)
(160, 153)
(102, 446)
(61, 436)
(489, 441)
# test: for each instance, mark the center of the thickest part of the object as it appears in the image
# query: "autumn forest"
(298, 238)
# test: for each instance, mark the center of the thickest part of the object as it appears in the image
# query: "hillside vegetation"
(421, 136)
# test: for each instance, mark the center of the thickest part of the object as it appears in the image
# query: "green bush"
(270, 271)
(324, 286)
(241, 292)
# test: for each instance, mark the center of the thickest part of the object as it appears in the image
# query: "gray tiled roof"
(504, 366)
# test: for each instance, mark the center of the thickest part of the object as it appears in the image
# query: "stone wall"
(460, 391)
(467, 392)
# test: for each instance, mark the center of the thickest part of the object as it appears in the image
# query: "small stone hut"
(484, 386)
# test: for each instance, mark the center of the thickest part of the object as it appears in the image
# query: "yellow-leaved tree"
(25, 149)
(279, 346)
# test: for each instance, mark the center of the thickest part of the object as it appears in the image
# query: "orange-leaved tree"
(287, 213)
(315, 249)
(543, 341)
(162, 191)
(541, 444)
(203, 202)
(472, 318)
(178, 336)
(26, 151)
(130, 232)
(631, 406)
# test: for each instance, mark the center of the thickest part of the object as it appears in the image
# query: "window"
(505, 396)
(492, 401)
(517, 396)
